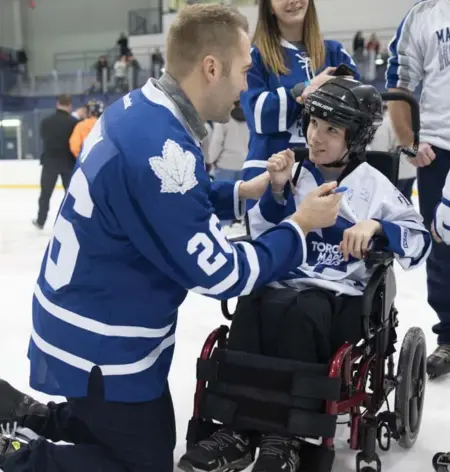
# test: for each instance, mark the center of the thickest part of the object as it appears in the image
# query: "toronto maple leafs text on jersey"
(138, 228)
(370, 195)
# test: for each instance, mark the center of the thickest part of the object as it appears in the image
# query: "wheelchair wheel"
(410, 390)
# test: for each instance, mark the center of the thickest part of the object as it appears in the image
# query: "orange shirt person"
(94, 110)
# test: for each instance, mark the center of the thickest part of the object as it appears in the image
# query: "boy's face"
(326, 142)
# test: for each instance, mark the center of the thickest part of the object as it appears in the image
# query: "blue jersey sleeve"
(267, 111)
(225, 199)
(170, 219)
(405, 63)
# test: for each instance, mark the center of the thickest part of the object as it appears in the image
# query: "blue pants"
(106, 437)
(430, 182)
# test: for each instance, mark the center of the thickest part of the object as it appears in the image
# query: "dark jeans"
(49, 177)
(430, 181)
(106, 437)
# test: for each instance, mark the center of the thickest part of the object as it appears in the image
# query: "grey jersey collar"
(174, 92)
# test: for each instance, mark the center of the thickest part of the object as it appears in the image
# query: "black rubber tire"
(410, 390)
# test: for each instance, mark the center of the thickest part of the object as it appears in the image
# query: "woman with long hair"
(288, 50)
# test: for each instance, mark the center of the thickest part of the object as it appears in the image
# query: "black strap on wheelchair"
(256, 392)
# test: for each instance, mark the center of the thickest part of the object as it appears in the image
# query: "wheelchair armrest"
(376, 258)
(377, 254)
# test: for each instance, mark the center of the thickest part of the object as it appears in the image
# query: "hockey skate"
(15, 407)
(438, 363)
(224, 451)
(441, 462)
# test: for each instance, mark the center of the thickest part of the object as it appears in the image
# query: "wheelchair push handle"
(415, 117)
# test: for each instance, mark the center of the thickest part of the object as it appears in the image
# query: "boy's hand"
(254, 189)
(280, 167)
(356, 239)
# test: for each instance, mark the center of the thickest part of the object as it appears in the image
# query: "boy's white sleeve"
(442, 215)
(403, 227)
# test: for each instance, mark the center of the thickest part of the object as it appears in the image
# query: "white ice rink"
(21, 249)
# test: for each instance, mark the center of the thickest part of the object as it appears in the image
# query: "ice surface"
(21, 249)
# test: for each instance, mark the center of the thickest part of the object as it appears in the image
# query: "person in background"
(288, 51)
(229, 145)
(80, 113)
(228, 148)
(95, 109)
(57, 160)
(121, 73)
(419, 54)
(385, 140)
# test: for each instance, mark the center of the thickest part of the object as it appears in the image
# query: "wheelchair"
(263, 394)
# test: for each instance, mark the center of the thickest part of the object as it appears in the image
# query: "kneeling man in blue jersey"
(311, 311)
(139, 227)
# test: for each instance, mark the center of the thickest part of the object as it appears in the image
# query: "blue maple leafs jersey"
(137, 229)
(370, 195)
(272, 114)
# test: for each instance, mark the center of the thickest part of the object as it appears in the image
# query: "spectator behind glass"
(120, 73)
(100, 66)
(157, 64)
(122, 42)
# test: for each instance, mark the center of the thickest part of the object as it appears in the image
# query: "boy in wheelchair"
(309, 314)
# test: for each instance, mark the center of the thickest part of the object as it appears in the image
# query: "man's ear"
(212, 69)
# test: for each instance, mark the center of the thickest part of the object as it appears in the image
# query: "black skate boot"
(278, 454)
(438, 363)
(11, 443)
(441, 462)
(15, 407)
(224, 451)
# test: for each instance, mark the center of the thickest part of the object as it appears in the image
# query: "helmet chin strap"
(339, 163)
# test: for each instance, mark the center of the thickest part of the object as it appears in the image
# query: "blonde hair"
(199, 30)
(267, 39)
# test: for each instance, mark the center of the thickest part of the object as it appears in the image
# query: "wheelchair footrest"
(316, 458)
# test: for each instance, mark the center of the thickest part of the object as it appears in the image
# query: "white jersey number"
(58, 274)
(208, 265)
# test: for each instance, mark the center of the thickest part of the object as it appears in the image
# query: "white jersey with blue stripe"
(369, 195)
(441, 221)
(420, 52)
(138, 228)
(272, 114)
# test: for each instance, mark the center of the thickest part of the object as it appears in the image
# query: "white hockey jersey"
(370, 195)
(420, 51)
(442, 216)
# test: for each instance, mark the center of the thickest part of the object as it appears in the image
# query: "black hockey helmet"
(349, 104)
(95, 108)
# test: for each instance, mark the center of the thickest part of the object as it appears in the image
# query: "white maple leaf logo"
(175, 169)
